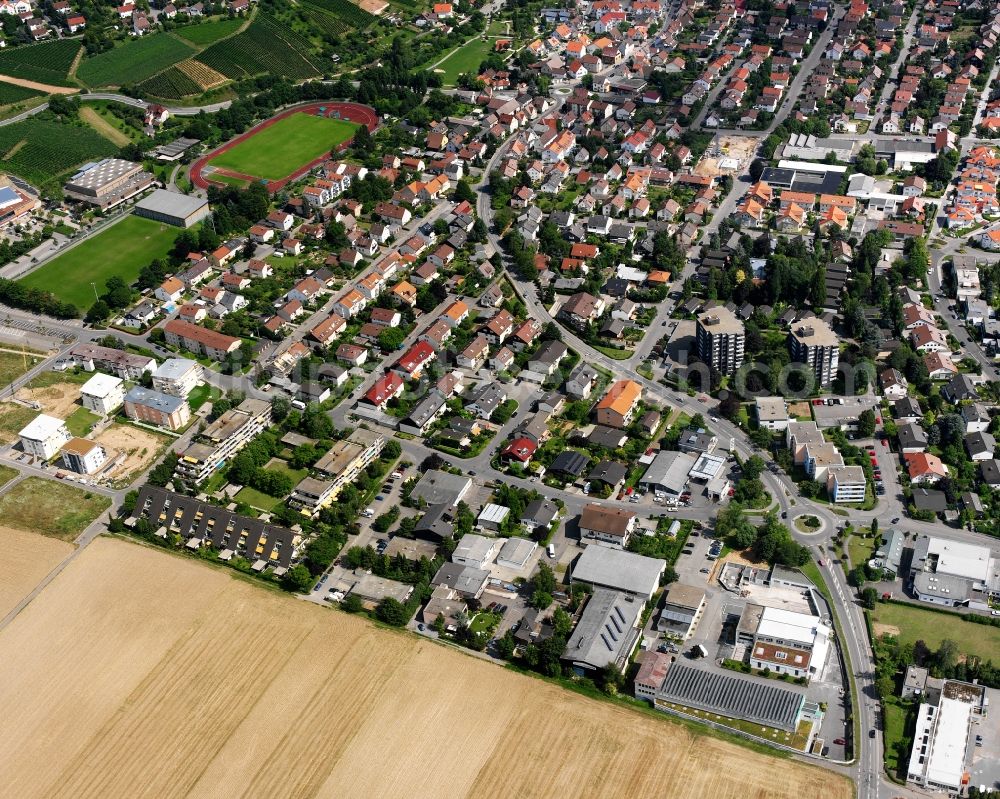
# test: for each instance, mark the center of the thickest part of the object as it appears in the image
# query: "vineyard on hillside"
(134, 61)
(266, 46)
(9, 93)
(40, 150)
(336, 16)
(48, 62)
(170, 84)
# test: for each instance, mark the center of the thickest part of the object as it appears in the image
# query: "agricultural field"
(122, 249)
(48, 62)
(55, 509)
(171, 84)
(466, 58)
(28, 557)
(134, 61)
(43, 150)
(206, 33)
(278, 150)
(335, 17)
(911, 623)
(282, 698)
(103, 126)
(204, 76)
(265, 46)
(9, 94)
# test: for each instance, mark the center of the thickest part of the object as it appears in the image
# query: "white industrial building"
(44, 436)
(475, 550)
(103, 394)
(788, 642)
(953, 573)
(939, 758)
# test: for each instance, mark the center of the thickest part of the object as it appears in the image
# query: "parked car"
(839, 741)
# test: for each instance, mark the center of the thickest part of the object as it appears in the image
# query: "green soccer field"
(122, 249)
(277, 151)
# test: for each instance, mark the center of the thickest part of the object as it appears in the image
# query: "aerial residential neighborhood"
(646, 347)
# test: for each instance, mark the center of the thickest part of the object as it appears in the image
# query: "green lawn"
(282, 467)
(134, 61)
(13, 419)
(859, 549)
(209, 32)
(932, 627)
(13, 365)
(466, 58)
(7, 474)
(50, 507)
(122, 249)
(899, 724)
(257, 499)
(202, 394)
(80, 421)
(279, 150)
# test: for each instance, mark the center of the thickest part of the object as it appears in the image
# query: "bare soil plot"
(28, 557)
(199, 684)
(41, 87)
(57, 399)
(141, 448)
(736, 151)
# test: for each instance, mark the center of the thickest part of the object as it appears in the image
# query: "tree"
(391, 339)
(869, 596)
(753, 467)
(540, 600)
(392, 611)
(545, 580)
(352, 604)
(857, 576)
(98, 312)
(297, 579)
(866, 423)
(506, 645)
(464, 192)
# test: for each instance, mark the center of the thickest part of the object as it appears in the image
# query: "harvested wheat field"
(28, 557)
(164, 677)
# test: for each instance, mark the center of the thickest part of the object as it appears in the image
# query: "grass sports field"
(278, 150)
(123, 249)
(137, 672)
(910, 624)
(466, 58)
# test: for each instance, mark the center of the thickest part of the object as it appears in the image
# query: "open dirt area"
(198, 684)
(141, 448)
(28, 557)
(736, 153)
(885, 629)
(41, 87)
(58, 399)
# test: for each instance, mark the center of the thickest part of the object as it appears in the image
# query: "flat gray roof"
(173, 203)
(732, 696)
(618, 569)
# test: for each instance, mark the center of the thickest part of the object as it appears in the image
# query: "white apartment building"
(177, 377)
(44, 436)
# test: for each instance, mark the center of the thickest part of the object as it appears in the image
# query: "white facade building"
(103, 394)
(44, 436)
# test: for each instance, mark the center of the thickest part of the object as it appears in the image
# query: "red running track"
(353, 112)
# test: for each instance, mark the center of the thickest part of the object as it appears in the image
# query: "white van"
(552, 550)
